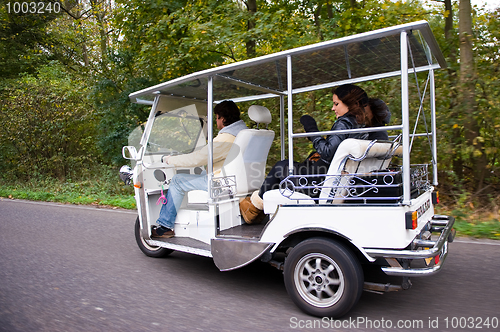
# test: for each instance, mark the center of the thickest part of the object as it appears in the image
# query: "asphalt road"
(71, 268)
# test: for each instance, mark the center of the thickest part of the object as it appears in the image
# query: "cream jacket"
(221, 145)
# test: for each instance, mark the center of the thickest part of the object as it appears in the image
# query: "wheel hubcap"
(319, 280)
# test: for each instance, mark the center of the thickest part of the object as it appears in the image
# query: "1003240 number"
(40, 7)
(471, 322)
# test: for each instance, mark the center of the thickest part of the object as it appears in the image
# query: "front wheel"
(151, 251)
(323, 277)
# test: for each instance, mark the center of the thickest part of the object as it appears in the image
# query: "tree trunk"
(448, 26)
(329, 9)
(250, 44)
(100, 11)
(467, 94)
(452, 76)
(317, 23)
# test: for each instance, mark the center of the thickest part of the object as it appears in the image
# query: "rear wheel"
(148, 250)
(323, 277)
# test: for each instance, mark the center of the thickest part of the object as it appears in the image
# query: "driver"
(229, 125)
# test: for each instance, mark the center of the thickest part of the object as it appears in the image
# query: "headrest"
(259, 114)
(357, 148)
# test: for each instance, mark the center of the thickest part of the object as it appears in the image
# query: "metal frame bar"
(290, 113)
(414, 135)
(210, 106)
(282, 112)
(348, 131)
(282, 127)
(433, 128)
(249, 84)
(405, 114)
(331, 85)
(144, 102)
(362, 79)
(420, 108)
(149, 124)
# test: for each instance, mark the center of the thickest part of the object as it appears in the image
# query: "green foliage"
(117, 116)
(47, 125)
(458, 157)
(22, 37)
(176, 37)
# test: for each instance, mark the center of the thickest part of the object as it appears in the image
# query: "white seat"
(352, 156)
(356, 156)
(247, 157)
(274, 198)
(197, 197)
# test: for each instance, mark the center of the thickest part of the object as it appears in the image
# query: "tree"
(23, 41)
(250, 44)
(85, 34)
(467, 94)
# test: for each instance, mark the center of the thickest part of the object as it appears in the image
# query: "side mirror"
(129, 152)
(126, 174)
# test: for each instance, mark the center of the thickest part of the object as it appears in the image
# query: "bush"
(48, 126)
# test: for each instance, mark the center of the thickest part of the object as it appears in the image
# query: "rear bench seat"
(352, 156)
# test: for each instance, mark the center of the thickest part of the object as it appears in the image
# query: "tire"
(323, 277)
(151, 251)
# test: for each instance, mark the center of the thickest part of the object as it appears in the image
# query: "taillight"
(411, 219)
(436, 259)
(435, 197)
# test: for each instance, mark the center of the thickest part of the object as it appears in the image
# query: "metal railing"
(374, 187)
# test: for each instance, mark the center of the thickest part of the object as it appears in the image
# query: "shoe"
(165, 232)
(251, 209)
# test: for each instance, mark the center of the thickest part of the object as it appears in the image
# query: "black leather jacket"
(327, 147)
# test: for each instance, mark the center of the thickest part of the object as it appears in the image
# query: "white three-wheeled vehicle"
(374, 209)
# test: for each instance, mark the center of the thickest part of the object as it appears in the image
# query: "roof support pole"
(405, 110)
(290, 113)
(210, 106)
(282, 126)
(433, 128)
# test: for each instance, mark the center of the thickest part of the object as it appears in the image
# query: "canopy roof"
(356, 58)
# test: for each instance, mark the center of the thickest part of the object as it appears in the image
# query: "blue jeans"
(180, 184)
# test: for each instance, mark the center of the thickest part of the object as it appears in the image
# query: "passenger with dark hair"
(229, 125)
(228, 111)
(377, 115)
(349, 102)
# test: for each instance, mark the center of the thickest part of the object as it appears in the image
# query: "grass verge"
(473, 223)
(89, 192)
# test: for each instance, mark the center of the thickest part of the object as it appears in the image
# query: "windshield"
(176, 132)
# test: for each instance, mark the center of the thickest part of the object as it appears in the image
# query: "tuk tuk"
(375, 208)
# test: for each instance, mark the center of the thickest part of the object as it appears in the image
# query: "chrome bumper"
(439, 248)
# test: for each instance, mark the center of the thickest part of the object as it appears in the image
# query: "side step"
(183, 244)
